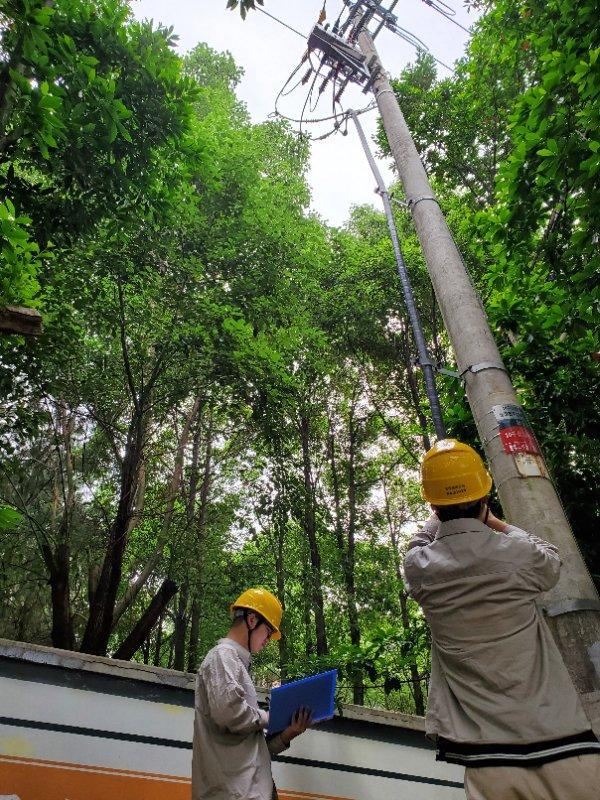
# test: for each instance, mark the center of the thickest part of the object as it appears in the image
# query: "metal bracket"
(385, 91)
(474, 368)
(442, 370)
(381, 192)
(336, 50)
(567, 606)
(449, 372)
(413, 201)
(424, 363)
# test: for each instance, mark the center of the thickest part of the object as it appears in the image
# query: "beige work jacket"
(231, 759)
(496, 674)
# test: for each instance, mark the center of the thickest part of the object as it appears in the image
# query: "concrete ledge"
(68, 659)
(20, 320)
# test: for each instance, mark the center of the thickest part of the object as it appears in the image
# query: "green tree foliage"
(186, 415)
(87, 103)
(245, 5)
(225, 394)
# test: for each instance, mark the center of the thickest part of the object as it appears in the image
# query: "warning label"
(515, 433)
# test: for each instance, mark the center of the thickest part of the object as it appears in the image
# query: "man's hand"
(300, 722)
(495, 524)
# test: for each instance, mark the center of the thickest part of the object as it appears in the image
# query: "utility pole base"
(577, 635)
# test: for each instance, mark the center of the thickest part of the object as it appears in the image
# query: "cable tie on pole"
(425, 362)
(568, 606)
(413, 201)
(474, 368)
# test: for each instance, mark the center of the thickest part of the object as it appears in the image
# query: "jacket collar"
(239, 649)
(455, 526)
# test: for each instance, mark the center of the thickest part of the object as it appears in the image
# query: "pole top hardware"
(341, 57)
(371, 10)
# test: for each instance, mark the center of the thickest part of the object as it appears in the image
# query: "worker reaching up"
(500, 699)
(231, 758)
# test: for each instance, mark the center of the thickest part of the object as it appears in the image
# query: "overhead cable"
(281, 22)
(449, 14)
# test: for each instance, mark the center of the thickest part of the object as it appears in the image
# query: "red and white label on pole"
(519, 440)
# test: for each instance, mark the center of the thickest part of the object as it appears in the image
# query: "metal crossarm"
(338, 54)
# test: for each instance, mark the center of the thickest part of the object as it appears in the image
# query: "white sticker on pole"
(530, 466)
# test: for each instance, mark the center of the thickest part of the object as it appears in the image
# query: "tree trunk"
(59, 560)
(417, 690)
(309, 646)
(102, 607)
(147, 621)
(415, 678)
(158, 642)
(173, 489)
(200, 523)
(7, 85)
(310, 528)
(192, 664)
(280, 522)
(346, 550)
(358, 687)
(180, 629)
(62, 623)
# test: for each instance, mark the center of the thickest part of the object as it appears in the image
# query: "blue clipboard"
(316, 693)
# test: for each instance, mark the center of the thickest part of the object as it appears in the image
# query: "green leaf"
(10, 518)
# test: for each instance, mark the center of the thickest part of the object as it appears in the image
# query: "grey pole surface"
(425, 362)
(526, 492)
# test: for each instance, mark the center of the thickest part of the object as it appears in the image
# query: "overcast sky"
(339, 175)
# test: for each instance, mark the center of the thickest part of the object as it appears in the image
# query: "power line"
(400, 33)
(449, 14)
(281, 22)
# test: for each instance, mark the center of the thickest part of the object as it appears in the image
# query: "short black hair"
(460, 510)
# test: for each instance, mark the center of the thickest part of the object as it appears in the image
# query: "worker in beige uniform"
(500, 699)
(231, 757)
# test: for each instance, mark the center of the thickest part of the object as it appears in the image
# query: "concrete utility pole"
(527, 494)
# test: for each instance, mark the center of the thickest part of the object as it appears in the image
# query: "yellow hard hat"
(265, 604)
(452, 473)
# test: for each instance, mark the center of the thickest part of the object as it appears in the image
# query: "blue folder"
(316, 693)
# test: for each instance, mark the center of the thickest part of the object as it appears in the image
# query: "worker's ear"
(253, 620)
